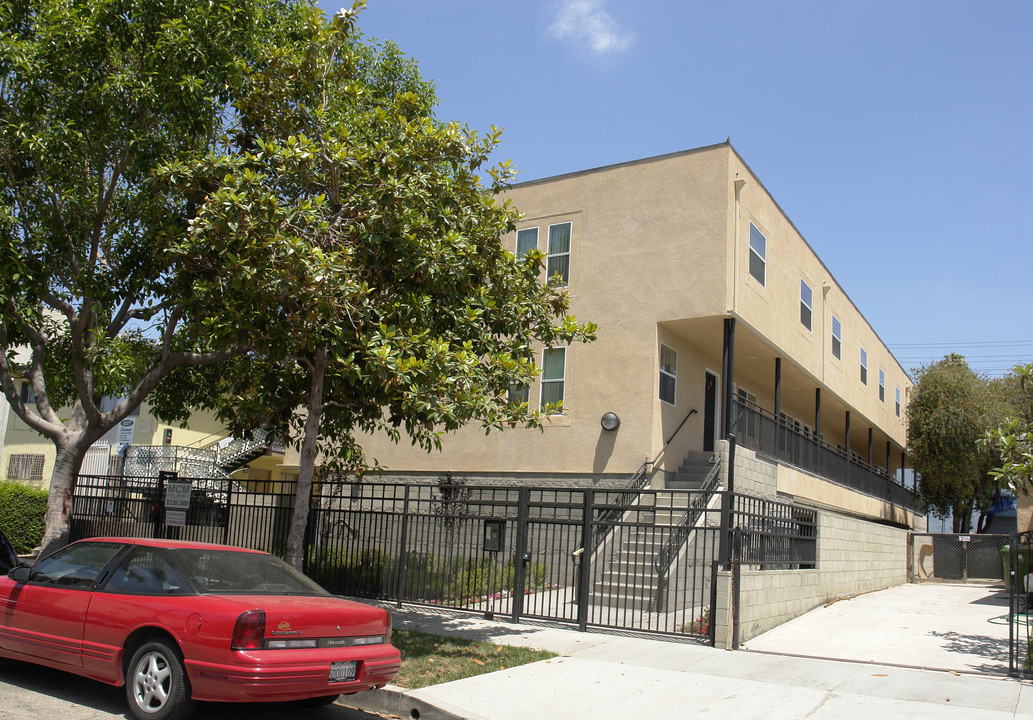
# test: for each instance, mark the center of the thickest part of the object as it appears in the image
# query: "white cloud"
(587, 21)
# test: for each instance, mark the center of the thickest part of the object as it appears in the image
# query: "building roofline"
(706, 148)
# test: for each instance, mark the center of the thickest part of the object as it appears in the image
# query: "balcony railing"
(758, 429)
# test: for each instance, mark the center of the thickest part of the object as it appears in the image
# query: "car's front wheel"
(156, 684)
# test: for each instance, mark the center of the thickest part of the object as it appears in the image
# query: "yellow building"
(26, 456)
(716, 318)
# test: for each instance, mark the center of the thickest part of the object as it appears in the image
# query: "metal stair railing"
(630, 494)
(697, 508)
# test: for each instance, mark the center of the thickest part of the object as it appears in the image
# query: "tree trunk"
(309, 446)
(58, 519)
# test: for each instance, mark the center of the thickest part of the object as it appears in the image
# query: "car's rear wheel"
(156, 684)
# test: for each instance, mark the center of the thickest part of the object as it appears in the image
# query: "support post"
(728, 373)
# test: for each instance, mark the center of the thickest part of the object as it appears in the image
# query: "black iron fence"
(758, 429)
(520, 552)
(1020, 610)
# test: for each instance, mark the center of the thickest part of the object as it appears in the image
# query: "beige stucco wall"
(659, 255)
(773, 311)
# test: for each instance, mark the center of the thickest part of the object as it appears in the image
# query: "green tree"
(1013, 439)
(401, 309)
(95, 97)
(949, 411)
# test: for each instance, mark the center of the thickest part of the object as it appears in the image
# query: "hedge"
(22, 510)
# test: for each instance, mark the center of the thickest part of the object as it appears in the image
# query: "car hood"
(305, 616)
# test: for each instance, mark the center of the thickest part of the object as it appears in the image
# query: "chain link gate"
(951, 557)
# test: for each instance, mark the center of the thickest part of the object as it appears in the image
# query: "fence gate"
(950, 557)
(643, 560)
(1020, 609)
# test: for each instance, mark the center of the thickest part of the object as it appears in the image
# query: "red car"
(178, 622)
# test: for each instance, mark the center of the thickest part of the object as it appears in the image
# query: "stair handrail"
(681, 532)
(630, 491)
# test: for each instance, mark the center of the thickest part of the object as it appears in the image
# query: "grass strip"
(433, 659)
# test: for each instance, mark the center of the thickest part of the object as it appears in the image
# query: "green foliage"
(1013, 439)
(427, 578)
(949, 412)
(21, 515)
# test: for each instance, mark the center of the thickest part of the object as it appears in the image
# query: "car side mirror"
(20, 574)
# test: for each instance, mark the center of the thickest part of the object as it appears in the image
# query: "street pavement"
(892, 641)
(785, 673)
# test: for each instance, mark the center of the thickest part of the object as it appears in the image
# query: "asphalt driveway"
(961, 627)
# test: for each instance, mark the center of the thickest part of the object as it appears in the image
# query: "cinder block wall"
(854, 556)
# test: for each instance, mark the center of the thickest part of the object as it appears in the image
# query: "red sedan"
(178, 622)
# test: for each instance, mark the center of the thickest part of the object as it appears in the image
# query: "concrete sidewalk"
(615, 676)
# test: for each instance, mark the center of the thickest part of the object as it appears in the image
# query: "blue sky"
(895, 135)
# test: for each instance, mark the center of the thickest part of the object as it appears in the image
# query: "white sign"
(177, 495)
(176, 518)
(965, 538)
(126, 431)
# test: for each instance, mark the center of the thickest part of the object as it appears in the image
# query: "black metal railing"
(759, 429)
(773, 535)
(693, 514)
(630, 493)
(1019, 578)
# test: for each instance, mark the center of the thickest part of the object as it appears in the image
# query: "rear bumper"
(289, 679)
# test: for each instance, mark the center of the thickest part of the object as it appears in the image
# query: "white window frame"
(837, 338)
(553, 381)
(519, 393)
(864, 367)
(806, 305)
(882, 386)
(555, 255)
(526, 232)
(898, 401)
(671, 374)
(761, 255)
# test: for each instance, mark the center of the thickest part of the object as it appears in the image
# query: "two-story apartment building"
(716, 316)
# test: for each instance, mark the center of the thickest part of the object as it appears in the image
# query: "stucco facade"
(660, 258)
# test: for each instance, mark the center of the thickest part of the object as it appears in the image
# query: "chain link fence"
(949, 557)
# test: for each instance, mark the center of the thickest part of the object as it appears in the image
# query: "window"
(27, 395)
(758, 254)
(882, 386)
(25, 467)
(76, 565)
(837, 338)
(553, 367)
(527, 240)
(898, 402)
(864, 366)
(519, 394)
(145, 572)
(806, 300)
(748, 421)
(668, 375)
(558, 264)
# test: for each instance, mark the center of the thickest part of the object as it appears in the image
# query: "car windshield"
(215, 571)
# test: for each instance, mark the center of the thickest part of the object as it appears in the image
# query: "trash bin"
(1021, 566)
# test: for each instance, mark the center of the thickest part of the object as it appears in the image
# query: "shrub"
(22, 511)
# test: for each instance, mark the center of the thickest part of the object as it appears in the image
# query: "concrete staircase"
(630, 579)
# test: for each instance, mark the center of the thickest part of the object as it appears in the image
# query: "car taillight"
(249, 631)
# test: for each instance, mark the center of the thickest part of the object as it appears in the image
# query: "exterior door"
(709, 411)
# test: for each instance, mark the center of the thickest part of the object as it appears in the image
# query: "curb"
(393, 700)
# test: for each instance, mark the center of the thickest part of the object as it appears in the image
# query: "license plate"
(342, 671)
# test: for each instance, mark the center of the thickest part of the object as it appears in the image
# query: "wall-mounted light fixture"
(610, 421)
